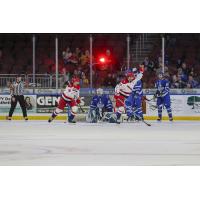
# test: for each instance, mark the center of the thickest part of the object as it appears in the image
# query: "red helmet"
(130, 74)
(76, 82)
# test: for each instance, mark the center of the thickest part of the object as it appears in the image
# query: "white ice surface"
(40, 143)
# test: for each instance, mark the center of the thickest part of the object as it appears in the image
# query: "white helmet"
(99, 91)
(134, 70)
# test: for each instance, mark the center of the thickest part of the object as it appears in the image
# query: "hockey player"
(100, 104)
(124, 89)
(133, 103)
(163, 96)
(70, 97)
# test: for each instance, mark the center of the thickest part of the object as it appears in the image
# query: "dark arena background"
(47, 62)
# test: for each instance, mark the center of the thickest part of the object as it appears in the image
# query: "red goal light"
(102, 60)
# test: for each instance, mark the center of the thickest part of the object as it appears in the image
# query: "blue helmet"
(160, 75)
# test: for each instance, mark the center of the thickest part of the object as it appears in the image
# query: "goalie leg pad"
(92, 116)
(110, 117)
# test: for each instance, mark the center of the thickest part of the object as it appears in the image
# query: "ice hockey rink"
(59, 143)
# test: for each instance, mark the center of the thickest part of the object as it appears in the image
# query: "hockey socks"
(54, 114)
(71, 118)
(118, 114)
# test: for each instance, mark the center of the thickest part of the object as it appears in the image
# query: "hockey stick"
(142, 120)
(146, 99)
(145, 122)
(81, 108)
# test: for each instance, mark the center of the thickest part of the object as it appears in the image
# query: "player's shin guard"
(129, 109)
(71, 117)
(139, 113)
(159, 113)
(54, 114)
(169, 111)
(118, 114)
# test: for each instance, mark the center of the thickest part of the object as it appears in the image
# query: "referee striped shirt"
(18, 88)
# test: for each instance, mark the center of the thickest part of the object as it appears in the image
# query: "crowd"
(185, 78)
(180, 74)
(75, 61)
(77, 64)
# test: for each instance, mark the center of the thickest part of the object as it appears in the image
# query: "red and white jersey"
(71, 93)
(125, 87)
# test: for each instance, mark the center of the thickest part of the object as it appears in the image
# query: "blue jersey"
(162, 87)
(137, 89)
(102, 101)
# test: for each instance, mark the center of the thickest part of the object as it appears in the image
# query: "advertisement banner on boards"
(182, 105)
(47, 103)
(30, 102)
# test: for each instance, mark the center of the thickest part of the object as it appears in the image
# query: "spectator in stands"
(78, 54)
(192, 82)
(84, 81)
(175, 82)
(79, 72)
(66, 75)
(151, 66)
(85, 58)
(73, 59)
(110, 81)
(183, 76)
(75, 73)
(146, 62)
(67, 55)
(179, 63)
(185, 69)
(182, 84)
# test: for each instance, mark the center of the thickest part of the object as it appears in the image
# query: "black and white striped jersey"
(17, 88)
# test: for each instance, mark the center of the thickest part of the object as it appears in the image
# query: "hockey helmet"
(134, 70)
(76, 82)
(130, 74)
(99, 91)
(160, 75)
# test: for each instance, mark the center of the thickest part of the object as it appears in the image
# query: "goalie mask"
(99, 91)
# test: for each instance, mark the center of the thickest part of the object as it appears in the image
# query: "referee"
(17, 91)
